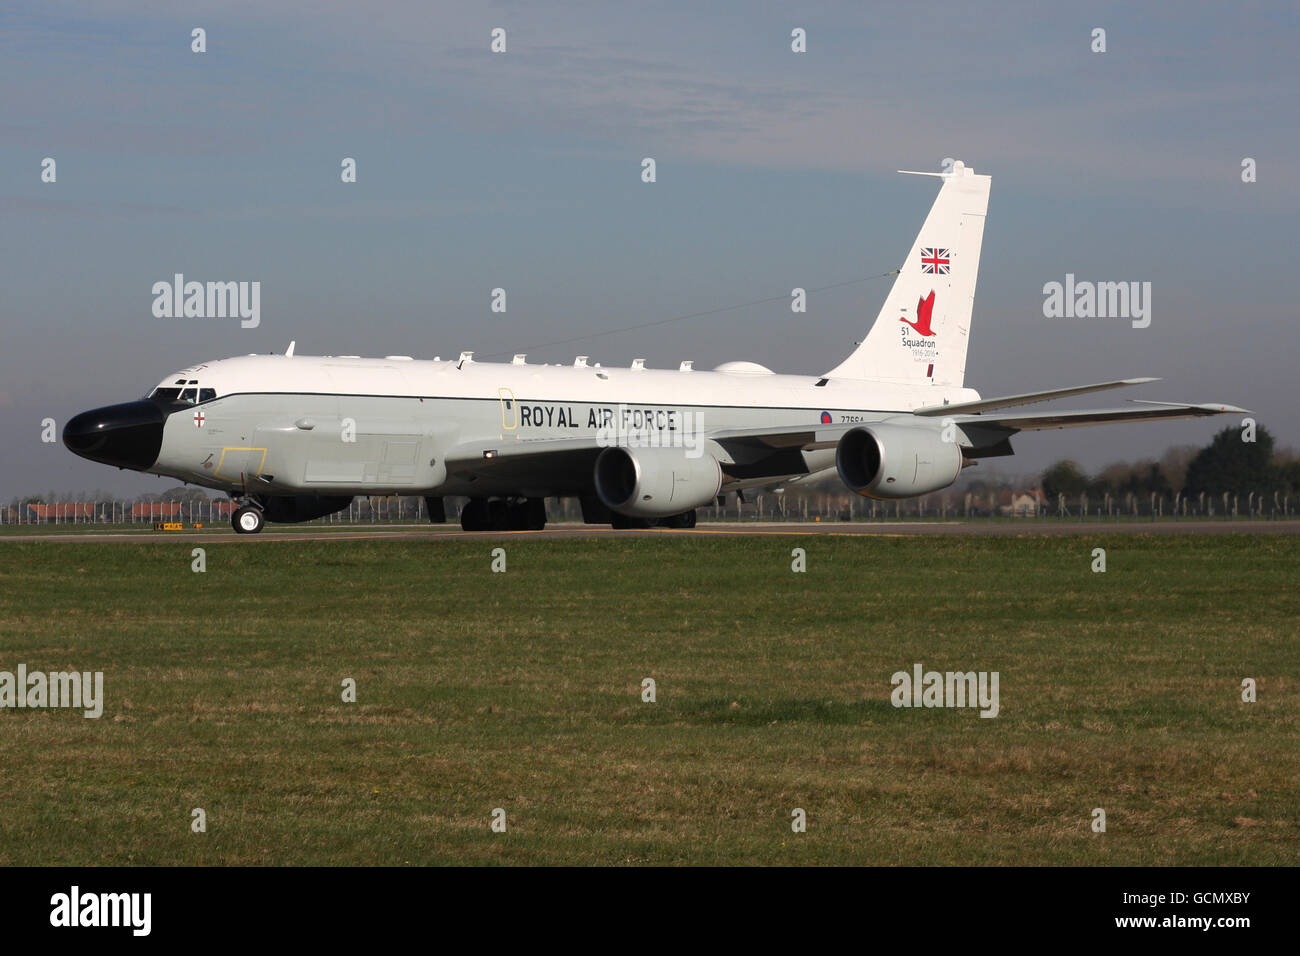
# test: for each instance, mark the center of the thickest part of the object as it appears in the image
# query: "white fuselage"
(293, 424)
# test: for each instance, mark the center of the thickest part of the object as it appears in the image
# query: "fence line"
(824, 506)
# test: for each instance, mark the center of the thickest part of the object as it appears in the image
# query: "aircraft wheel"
(499, 515)
(533, 514)
(474, 516)
(621, 522)
(684, 520)
(247, 520)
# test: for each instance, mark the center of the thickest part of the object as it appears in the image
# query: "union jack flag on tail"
(932, 294)
(935, 261)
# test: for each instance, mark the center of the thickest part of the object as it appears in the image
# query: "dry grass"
(522, 691)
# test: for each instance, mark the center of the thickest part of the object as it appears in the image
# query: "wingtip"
(1214, 408)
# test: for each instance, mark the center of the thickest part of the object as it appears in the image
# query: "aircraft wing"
(1155, 411)
(1026, 398)
(567, 462)
(986, 435)
(808, 437)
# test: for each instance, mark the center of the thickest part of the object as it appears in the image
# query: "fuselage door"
(509, 409)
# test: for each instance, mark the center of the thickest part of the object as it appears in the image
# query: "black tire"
(499, 514)
(684, 520)
(474, 516)
(528, 514)
(623, 522)
(535, 514)
(247, 520)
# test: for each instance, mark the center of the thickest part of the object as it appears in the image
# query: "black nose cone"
(127, 435)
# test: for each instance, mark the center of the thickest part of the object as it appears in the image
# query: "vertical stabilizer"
(921, 334)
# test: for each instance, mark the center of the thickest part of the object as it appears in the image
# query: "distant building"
(80, 511)
(1022, 504)
(157, 510)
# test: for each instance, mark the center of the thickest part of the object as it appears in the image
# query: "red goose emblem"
(924, 308)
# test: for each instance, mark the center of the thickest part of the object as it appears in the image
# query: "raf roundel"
(826, 418)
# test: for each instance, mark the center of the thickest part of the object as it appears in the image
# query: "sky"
(522, 170)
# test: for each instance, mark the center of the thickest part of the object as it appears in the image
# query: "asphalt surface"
(802, 529)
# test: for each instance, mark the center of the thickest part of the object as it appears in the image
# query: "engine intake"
(655, 482)
(896, 461)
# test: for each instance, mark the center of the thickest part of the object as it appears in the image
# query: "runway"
(892, 529)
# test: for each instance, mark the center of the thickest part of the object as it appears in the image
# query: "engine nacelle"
(896, 461)
(287, 509)
(655, 482)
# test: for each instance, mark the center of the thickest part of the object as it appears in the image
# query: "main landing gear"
(501, 514)
(247, 520)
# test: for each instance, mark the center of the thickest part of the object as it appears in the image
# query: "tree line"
(1232, 463)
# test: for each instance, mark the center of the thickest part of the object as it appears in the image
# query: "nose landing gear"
(247, 520)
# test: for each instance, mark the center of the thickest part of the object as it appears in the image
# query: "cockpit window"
(190, 394)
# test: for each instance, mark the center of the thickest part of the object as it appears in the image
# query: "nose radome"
(127, 435)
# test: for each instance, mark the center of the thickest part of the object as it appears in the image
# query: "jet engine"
(287, 509)
(896, 461)
(655, 482)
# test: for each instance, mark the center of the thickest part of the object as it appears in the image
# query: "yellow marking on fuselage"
(252, 474)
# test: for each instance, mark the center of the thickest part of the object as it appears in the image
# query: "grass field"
(522, 690)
